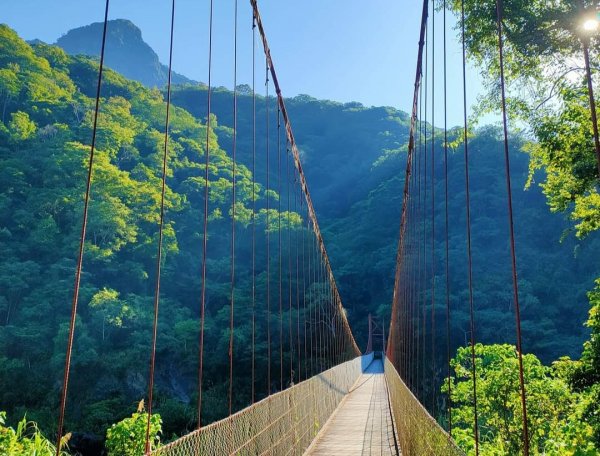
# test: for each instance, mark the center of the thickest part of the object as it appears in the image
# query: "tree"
(551, 406)
(548, 93)
(114, 310)
(564, 151)
(21, 127)
(9, 87)
(586, 376)
(128, 436)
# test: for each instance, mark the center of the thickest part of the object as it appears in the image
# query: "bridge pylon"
(376, 335)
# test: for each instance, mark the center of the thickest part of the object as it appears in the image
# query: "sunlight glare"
(591, 25)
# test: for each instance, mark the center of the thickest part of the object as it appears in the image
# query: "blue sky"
(343, 50)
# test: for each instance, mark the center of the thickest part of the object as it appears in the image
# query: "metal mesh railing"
(418, 432)
(282, 424)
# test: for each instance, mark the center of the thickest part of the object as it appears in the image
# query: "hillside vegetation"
(354, 158)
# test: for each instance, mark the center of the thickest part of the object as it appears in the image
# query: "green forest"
(354, 157)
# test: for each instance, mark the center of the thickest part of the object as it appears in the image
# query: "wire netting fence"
(283, 424)
(418, 432)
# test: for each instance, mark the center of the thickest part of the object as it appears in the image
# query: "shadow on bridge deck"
(362, 423)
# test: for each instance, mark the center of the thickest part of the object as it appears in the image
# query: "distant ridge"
(126, 51)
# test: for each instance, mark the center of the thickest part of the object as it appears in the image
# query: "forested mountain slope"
(354, 160)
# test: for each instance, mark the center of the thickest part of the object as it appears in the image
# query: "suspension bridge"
(313, 391)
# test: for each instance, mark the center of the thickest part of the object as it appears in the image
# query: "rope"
(499, 8)
(205, 221)
(469, 255)
(84, 218)
(160, 237)
(233, 203)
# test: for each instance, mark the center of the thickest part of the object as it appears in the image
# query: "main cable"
(298, 165)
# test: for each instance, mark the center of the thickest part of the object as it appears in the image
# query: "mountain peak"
(126, 51)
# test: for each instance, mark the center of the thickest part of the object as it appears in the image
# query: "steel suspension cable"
(315, 304)
(419, 160)
(280, 253)
(413, 281)
(305, 286)
(447, 240)
(433, 383)
(160, 237)
(320, 308)
(289, 233)
(297, 244)
(468, 209)
(318, 276)
(233, 204)
(205, 218)
(84, 219)
(499, 11)
(424, 217)
(311, 295)
(302, 347)
(409, 380)
(253, 393)
(268, 236)
(414, 247)
(329, 326)
(298, 165)
(326, 321)
(417, 261)
(409, 159)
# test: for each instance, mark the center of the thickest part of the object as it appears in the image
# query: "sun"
(591, 25)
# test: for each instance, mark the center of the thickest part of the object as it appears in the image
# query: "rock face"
(126, 51)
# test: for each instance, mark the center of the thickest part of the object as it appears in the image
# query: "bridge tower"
(376, 336)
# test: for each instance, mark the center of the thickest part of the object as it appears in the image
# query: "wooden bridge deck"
(362, 424)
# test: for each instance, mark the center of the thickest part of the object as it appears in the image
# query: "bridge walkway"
(362, 424)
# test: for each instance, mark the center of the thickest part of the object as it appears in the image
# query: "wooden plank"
(362, 423)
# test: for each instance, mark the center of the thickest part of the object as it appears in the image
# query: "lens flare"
(591, 25)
